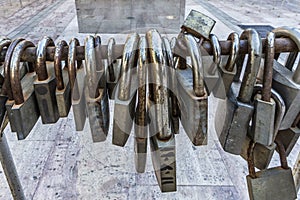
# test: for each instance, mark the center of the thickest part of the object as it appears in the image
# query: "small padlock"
(77, 85)
(262, 128)
(141, 117)
(275, 183)
(113, 66)
(63, 91)
(287, 82)
(45, 84)
(162, 139)
(95, 93)
(125, 98)
(25, 111)
(238, 107)
(192, 95)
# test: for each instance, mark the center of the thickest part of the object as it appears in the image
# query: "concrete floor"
(56, 162)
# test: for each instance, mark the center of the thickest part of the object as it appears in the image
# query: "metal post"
(9, 167)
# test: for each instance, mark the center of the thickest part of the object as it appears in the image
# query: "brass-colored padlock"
(25, 111)
(275, 183)
(95, 92)
(125, 98)
(45, 85)
(77, 85)
(63, 91)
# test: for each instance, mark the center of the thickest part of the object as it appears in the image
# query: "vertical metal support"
(9, 167)
(296, 172)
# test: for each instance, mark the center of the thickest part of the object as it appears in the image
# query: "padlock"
(274, 183)
(238, 107)
(287, 82)
(162, 139)
(63, 91)
(125, 98)
(172, 85)
(141, 117)
(25, 111)
(228, 70)
(113, 66)
(262, 153)
(95, 93)
(262, 128)
(192, 95)
(77, 85)
(45, 84)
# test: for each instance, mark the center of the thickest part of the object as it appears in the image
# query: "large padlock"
(141, 117)
(172, 85)
(274, 183)
(192, 95)
(63, 91)
(95, 93)
(228, 70)
(262, 153)
(162, 139)
(113, 68)
(232, 125)
(25, 111)
(287, 82)
(125, 98)
(45, 84)
(77, 85)
(262, 127)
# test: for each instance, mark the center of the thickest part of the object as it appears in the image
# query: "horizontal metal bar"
(281, 45)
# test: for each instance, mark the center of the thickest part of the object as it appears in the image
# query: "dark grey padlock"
(95, 93)
(45, 84)
(63, 91)
(162, 141)
(238, 108)
(25, 111)
(287, 82)
(275, 183)
(192, 95)
(141, 117)
(262, 128)
(77, 85)
(125, 98)
(114, 67)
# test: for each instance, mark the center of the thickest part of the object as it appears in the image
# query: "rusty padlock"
(45, 84)
(63, 91)
(25, 111)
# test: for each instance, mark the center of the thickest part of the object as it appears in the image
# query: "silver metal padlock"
(232, 125)
(192, 95)
(95, 92)
(77, 85)
(125, 98)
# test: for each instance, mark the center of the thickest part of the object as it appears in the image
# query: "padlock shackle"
(250, 159)
(217, 59)
(57, 64)
(110, 59)
(253, 64)
(268, 67)
(129, 61)
(15, 80)
(41, 67)
(197, 65)
(73, 64)
(294, 35)
(234, 50)
(282, 154)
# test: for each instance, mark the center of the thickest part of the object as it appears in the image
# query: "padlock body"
(45, 95)
(289, 138)
(289, 91)
(262, 129)
(193, 109)
(98, 115)
(9, 104)
(274, 183)
(63, 97)
(227, 77)
(163, 153)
